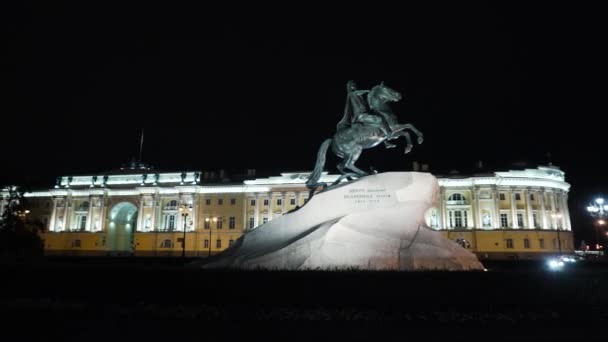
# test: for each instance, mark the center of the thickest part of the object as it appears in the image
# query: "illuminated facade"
(518, 213)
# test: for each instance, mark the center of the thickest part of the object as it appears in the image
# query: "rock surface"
(374, 223)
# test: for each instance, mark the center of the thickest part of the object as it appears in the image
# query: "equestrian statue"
(367, 121)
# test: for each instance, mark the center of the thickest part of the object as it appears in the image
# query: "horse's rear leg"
(415, 130)
(409, 145)
(352, 158)
(341, 167)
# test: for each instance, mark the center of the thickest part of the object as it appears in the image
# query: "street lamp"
(209, 220)
(598, 224)
(185, 211)
(556, 217)
(598, 210)
(22, 213)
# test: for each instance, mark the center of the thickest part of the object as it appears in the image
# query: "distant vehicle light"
(555, 264)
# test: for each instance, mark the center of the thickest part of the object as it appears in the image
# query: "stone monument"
(361, 221)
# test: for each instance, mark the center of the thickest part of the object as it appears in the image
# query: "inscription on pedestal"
(367, 196)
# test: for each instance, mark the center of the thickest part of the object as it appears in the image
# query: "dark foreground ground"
(139, 299)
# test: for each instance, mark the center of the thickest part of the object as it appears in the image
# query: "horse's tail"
(313, 180)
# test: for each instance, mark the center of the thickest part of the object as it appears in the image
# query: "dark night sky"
(249, 88)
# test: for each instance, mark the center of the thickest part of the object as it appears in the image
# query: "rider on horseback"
(361, 113)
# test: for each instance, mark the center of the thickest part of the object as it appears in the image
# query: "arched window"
(84, 206)
(167, 243)
(456, 197)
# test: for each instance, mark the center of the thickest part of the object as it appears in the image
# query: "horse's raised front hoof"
(420, 140)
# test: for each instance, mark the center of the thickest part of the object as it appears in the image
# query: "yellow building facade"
(512, 214)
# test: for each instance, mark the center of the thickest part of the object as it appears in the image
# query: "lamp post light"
(185, 211)
(598, 225)
(556, 217)
(209, 220)
(22, 213)
(598, 210)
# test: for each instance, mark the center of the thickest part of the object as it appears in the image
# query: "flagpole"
(141, 145)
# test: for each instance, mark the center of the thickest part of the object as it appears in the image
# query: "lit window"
(509, 243)
(231, 222)
(171, 222)
(456, 197)
(82, 222)
(458, 219)
(520, 220)
(504, 221)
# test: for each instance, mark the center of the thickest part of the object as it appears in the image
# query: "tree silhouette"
(19, 238)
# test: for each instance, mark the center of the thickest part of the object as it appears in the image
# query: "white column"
(543, 214)
(67, 213)
(153, 215)
(104, 212)
(496, 213)
(560, 205)
(90, 214)
(194, 213)
(52, 225)
(514, 222)
(270, 207)
(257, 211)
(552, 201)
(284, 206)
(477, 213)
(140, 215)
(529, 215)
(245, 218)
(566, 212)
(442, 211)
